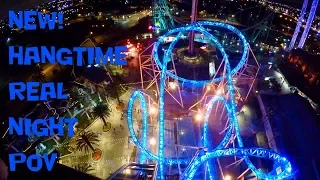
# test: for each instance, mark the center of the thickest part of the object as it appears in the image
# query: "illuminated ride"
(258, 28)
(227, 99)
(244, 74)
(162, 19)
(150, 70)
(298, 27)
(306, 30)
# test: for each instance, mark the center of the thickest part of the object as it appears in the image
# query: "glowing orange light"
(219, 91)
(153, 141)
(199, 116)
(132, 49)
(153, 110)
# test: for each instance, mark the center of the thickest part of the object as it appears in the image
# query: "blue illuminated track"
(220, 150)
(299, 24)
(306, 30)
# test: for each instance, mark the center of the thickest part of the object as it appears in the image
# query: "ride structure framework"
(150, 71)
(305, 33)
(306, 30)
(206, 151)
(298, 27)
(162, 19)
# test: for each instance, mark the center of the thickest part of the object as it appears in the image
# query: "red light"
(150, 27)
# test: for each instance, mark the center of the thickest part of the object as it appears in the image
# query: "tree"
(38, 74)
(114, 89)
(55, 73)
(75, 95)
(86, 141)
(85, 168)
(100, 111)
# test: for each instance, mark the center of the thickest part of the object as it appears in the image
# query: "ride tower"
(306, 30)
(262, 28)
(305, 33)
(298, 27)
(162, 19)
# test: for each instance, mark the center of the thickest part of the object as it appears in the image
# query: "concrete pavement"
(114, 143)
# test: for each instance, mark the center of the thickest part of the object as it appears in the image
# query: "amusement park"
(206, 93)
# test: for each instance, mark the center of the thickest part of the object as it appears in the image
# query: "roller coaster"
(158, 61)
(162, 18)
(306, 30)
(206, 152)
(260, 27)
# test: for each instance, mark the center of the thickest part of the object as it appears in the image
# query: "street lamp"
(127, 171)
(219, 91)
(172, 85)
(208, 87)
(153, 141)
(153, 110)
(227, 177)
(199, 116)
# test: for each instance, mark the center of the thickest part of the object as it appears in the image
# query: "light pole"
(193, 19)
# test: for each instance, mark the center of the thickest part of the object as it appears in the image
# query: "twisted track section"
(233, 128)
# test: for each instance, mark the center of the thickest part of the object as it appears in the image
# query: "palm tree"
(74, 95)
(55, 73)
(86, 141)
(113, 91)
(115, 87)
(101, 110)
(85, 168)
(38, 74)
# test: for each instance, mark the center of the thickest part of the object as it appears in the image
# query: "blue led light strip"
(298, 27)
(220, 150)
(309, 23)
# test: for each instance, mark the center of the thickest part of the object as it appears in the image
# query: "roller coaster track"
(161, 15)
(180, 20)
(228, 101)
